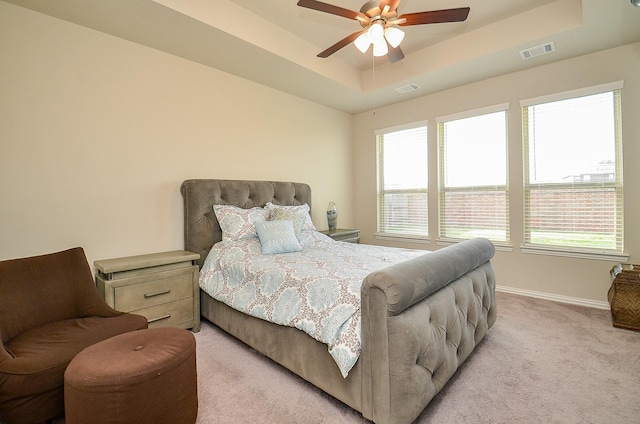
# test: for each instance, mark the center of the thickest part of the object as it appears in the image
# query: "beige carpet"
(542, 362)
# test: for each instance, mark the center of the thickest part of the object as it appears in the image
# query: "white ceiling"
(275, 42)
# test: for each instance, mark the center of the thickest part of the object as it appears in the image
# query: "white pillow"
(277, 237)
(299, 215)
(237, 223)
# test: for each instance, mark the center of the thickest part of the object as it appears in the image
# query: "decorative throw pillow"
(286, 214)
(277, 237)
(301, 212)
(237, 223)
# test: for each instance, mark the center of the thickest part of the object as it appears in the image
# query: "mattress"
(316, 289)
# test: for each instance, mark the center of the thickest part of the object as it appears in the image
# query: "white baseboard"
(555, 297)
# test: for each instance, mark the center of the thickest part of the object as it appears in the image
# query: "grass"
(593, 240)
(581, 240)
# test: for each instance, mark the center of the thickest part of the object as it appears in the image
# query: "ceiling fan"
(379, 21)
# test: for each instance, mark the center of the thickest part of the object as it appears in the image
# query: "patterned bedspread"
(316, 290)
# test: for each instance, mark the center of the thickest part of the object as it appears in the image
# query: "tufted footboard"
(420, 320)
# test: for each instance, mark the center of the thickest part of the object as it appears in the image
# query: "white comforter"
(316, 290)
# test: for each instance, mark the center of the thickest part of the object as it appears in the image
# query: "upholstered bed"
(420, 318)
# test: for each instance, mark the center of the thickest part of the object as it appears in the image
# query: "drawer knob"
(148, 295)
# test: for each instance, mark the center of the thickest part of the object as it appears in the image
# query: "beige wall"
(97, 133)
(548, 275)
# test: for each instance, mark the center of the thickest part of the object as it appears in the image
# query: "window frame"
(381, 192)
(616, 254)
(444, 190)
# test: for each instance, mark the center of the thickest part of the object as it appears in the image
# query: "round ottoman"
(145, 376)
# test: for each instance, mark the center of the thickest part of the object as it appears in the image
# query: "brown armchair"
(50, 310)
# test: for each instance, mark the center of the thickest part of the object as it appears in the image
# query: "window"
(402, 182)
(473, 175)
(573, 170)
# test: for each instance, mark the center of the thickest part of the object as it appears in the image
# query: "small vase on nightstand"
(332, 216)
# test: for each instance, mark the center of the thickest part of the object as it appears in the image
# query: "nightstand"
(161, 286)
(341, 234)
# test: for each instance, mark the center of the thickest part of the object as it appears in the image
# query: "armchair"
(50, 310)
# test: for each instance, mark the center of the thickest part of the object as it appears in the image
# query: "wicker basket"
(624, 296)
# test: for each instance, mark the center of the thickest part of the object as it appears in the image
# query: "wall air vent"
(407, 88)
(537, 51)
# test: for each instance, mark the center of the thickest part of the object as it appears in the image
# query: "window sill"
(500, 246)
(402, 238)
(602, 255)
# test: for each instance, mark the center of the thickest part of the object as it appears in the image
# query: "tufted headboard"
(201, 227)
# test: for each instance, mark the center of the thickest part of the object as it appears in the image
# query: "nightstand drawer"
(161, 286)
(155, 292)
(168, 314)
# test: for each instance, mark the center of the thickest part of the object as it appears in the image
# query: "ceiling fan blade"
(340, 44)
(393, 4)
(395, 54)
(334, 10)
(435, 16)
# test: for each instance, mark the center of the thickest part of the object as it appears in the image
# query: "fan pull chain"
(373, 70)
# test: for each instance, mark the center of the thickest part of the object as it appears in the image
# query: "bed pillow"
(237, 223)
(277, 237)
(299, 215)
(288, 215)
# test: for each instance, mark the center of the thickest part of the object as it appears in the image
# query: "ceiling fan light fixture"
(378, 19)
(376, 32)
(362, 42)
(380, 47)
(395, 36)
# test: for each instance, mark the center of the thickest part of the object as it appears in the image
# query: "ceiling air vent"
(538, 51)
(407, 88)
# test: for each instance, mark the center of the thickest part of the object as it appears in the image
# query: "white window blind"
(573, 171)
(402, 182)
(474, 197)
